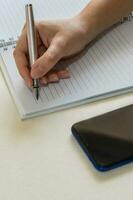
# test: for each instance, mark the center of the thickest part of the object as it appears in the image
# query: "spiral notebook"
(104, 70)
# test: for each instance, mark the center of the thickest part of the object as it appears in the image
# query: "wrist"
(88, 26)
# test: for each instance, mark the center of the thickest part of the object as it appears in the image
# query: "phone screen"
(107, 139)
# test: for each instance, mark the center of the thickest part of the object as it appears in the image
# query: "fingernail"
(44, 81)
(64, 74)
(33, 75)
(53, 78)
(28, 82)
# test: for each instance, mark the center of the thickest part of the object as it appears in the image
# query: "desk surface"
(40, 159)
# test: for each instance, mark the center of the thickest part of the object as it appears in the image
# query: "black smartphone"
(107, 139)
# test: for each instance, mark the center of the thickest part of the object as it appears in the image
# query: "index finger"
(20, 55)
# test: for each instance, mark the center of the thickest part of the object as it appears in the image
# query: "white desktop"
(40, 159)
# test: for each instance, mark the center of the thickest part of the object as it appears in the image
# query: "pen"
(32, 43)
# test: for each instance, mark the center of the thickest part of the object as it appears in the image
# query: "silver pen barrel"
(32, 42)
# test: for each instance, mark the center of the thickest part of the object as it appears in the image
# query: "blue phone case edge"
(98, 167)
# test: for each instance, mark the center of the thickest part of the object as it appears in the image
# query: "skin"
(64, 38)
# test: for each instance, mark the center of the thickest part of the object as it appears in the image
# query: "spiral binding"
(12, 42)
(5, 44)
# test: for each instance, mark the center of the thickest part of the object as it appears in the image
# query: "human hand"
(55, 40)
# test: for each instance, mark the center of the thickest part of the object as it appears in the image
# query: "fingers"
(43, 67)
(22, 65)
(20, 55)
(63, 74)
(53, 77)
(48, 60)
(21, 58)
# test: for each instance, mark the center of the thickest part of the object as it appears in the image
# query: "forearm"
(98, 15)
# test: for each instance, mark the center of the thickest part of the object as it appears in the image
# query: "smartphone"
(107, 139)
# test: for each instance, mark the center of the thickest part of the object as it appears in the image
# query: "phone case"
(110, 138)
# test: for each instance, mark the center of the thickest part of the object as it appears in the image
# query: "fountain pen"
(32, 43)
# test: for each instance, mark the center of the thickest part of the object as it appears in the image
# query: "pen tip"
(37, 93)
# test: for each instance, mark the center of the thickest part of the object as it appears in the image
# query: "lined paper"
(105, 69)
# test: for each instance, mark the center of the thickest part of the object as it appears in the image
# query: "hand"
(55, 40)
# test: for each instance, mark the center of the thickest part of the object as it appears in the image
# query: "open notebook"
(105, 69)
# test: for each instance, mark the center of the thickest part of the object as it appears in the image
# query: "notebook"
(105, 69)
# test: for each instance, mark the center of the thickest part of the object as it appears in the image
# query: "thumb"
(47, 61)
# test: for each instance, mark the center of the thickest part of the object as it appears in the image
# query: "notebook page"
(105, 68)
(13, 13)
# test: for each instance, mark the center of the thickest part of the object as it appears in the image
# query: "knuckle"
(40, 25)
(61, 42)
(51, 56)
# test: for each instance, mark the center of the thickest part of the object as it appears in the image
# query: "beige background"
(40, 159)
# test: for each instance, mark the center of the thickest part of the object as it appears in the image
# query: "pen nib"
(37, 93)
